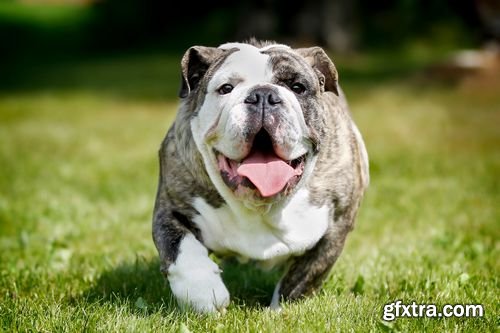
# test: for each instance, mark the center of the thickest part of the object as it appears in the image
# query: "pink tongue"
(267, 172)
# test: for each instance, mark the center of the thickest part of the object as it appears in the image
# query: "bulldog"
(263, 162)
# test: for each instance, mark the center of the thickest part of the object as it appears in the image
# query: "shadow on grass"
(142, 288)
(138, 285)
(248, 285)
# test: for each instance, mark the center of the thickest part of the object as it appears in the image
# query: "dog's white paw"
(275, 301)
(195, 279)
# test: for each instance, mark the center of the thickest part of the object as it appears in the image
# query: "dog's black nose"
(263, 97)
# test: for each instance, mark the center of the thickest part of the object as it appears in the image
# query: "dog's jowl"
(263, 162)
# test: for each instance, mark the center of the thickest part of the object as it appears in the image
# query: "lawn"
(78, 172)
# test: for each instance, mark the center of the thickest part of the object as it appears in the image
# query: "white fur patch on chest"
(270, 238)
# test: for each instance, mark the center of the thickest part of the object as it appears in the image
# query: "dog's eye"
(225, 89)
(298, 88)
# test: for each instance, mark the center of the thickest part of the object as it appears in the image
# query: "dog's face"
(257, 116)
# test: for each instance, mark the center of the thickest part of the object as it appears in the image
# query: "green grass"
(78, 172)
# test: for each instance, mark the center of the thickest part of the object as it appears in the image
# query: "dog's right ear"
(320, 61)
(194, 64)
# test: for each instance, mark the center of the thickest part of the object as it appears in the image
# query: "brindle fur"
(339, 180)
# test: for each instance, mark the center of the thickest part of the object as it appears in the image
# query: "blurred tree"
(489, 13)
(344, 25)
(340, 25)
(128, 23)
(331, 23)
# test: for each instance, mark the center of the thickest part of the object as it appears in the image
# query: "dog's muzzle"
(262, 168)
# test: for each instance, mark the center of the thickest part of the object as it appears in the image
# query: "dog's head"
(257, 115)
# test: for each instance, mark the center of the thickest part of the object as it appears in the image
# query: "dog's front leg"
(307, 272)
(194, 278)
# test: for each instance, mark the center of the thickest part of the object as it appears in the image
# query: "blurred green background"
(38, 35)
(88, 89)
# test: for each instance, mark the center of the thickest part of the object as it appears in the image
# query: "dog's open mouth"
(261, 169)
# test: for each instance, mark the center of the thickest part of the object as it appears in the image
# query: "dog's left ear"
(194, 65)
(320, 62)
